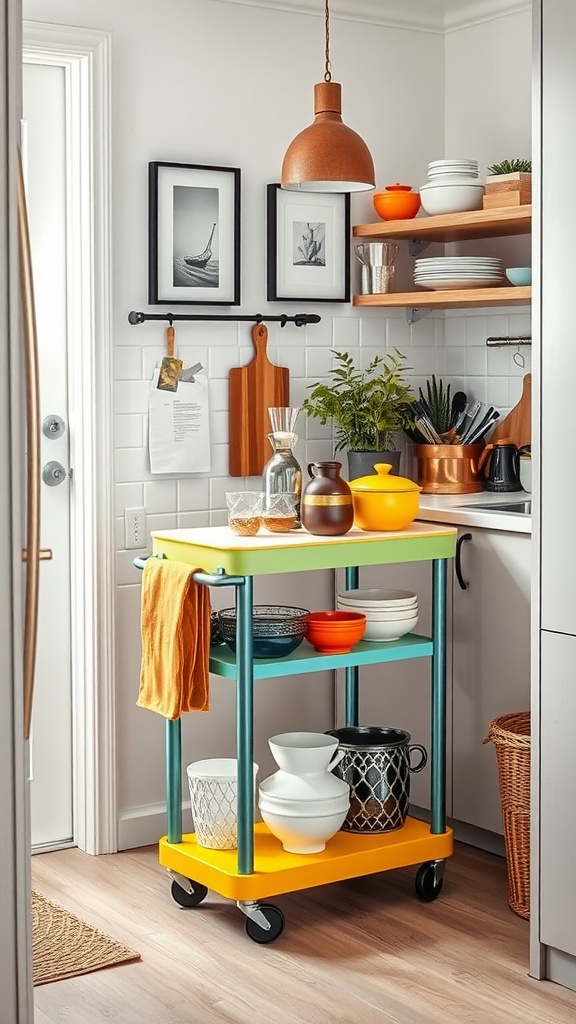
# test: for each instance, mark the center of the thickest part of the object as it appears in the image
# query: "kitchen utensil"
(253, 389)
(397, 202)
(449, 468)
(517, 424)
(277, 630)
(335, 632)
(282, 473)
(519, 275)
(439, 198)
(377, 259)
(457, 407)
(384, 502)
(327, 509)
(501, 462)
(170, 368)
(483, 426)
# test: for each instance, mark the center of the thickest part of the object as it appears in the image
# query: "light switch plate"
(135, 528)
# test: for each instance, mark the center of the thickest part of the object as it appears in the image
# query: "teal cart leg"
(244, 725)
(351, 697)
(438, 727)
(174, 780)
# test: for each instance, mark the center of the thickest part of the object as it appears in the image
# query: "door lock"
(53, 426)
(53, 474)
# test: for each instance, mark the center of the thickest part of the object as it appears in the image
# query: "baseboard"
(491, 842)
(144, 826)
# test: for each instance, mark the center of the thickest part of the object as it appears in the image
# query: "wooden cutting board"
(253, 389)
(517, 424)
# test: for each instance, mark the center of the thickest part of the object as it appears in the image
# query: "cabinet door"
(491, 664)
(557, 775)
(398, 694)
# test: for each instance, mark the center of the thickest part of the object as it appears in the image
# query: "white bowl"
(438, 199)
(379, 597)
(378, 631)
(391, 615)
(300, 833)
(303, 752)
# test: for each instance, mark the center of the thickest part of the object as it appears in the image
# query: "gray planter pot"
(362, 463)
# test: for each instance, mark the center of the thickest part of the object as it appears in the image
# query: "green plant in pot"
(368, 408)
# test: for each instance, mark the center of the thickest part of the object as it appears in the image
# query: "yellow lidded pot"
(384, 502)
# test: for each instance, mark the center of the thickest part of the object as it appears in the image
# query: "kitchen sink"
(523, 508)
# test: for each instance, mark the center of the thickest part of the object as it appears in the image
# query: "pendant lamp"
(327, 156)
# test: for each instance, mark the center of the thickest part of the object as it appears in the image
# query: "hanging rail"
(299, 319)
(496, 342)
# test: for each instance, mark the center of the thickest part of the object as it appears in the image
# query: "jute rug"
(64, 946)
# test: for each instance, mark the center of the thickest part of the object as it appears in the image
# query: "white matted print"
(194, 234)
(308, 245)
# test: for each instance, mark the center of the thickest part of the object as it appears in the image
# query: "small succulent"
(510, 166)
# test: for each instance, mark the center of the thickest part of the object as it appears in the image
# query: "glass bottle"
(282, 473)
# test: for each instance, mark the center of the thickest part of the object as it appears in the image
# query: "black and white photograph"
(308, 245)
(194, 234)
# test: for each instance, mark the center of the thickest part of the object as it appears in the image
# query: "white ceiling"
(428, 15)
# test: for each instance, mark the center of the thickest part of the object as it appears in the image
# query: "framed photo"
(308, 245)
(193, 234)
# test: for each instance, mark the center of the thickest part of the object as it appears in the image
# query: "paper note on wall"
(179, 429)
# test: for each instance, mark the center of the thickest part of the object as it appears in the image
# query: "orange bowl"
(397, 202)
(335, 632)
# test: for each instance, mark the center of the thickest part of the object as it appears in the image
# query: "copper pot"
(449, 468)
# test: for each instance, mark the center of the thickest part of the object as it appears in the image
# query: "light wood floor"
(360, 952)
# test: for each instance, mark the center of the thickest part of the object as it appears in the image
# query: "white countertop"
(446, 508)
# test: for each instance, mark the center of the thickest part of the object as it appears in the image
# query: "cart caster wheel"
(188, 899)
(275, 918)
(428, 886)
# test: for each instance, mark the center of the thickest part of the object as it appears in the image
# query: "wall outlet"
(135, 528)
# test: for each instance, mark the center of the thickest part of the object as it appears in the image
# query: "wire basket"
(510, 735)
(214, 801)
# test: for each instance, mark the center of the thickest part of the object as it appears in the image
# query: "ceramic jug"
(327, 508)
(501, 463)
(303, 804)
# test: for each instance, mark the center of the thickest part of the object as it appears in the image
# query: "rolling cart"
(259, 868)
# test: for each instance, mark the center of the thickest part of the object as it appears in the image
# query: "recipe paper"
(179, 430)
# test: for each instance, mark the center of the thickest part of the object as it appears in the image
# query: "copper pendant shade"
(328, 156)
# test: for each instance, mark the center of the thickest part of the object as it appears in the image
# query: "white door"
(44, 109)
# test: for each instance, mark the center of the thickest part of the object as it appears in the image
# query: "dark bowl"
(277, 630)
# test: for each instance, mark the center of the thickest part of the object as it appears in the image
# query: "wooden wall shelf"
(449, 300)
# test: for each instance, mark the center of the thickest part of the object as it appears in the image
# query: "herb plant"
(510, 166)
(368, 407)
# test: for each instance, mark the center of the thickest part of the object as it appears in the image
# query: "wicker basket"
(510, 734)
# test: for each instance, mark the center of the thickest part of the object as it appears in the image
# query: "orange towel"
(175, 623)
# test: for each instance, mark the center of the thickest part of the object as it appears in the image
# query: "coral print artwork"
(309, 244)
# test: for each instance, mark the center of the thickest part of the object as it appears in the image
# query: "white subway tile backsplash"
(131, 396)
(128, 496)
(129, 430)
(499, 362)
(476, 361)
(160, 496)
(219, 432)
(373, 333)
(346, 333)
(318, 361)
(221, 360)
(498, 392)
(132, 464)
(398, 333)
(218, 391)
(127, 363)
(193, 520)
(193, 494)
(476, 330)
(423, 332)
(456, 363)
(152, 355)
(455, 330)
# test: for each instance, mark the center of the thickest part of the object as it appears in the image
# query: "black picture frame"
(193, 215)
(308, 241)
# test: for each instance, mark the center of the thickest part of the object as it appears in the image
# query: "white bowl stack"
(452, 187)
(389, 613)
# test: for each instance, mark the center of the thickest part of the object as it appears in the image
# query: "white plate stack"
(389, 613)
(448, 273)
(457, 170)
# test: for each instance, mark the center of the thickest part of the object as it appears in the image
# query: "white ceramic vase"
(303, 804)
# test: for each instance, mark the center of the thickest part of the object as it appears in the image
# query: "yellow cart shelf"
(275, 872)
(260, 868)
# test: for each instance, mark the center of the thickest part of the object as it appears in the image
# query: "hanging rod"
(496, 342)
(299, 319)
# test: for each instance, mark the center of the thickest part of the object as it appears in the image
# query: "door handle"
(458, 563)
(44, 555)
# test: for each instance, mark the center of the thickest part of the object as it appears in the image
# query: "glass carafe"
(282, 473)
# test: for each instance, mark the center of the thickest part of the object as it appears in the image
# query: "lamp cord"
(328, 72)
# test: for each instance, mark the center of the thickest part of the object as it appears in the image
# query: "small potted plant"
(509, 183)
(367, 407)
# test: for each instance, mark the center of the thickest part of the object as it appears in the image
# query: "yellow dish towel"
(175, 621)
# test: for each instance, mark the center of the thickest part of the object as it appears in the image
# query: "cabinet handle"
(457, 564)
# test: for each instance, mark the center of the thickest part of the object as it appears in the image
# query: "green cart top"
(214, 548)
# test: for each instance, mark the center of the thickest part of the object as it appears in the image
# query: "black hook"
(170, 318)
